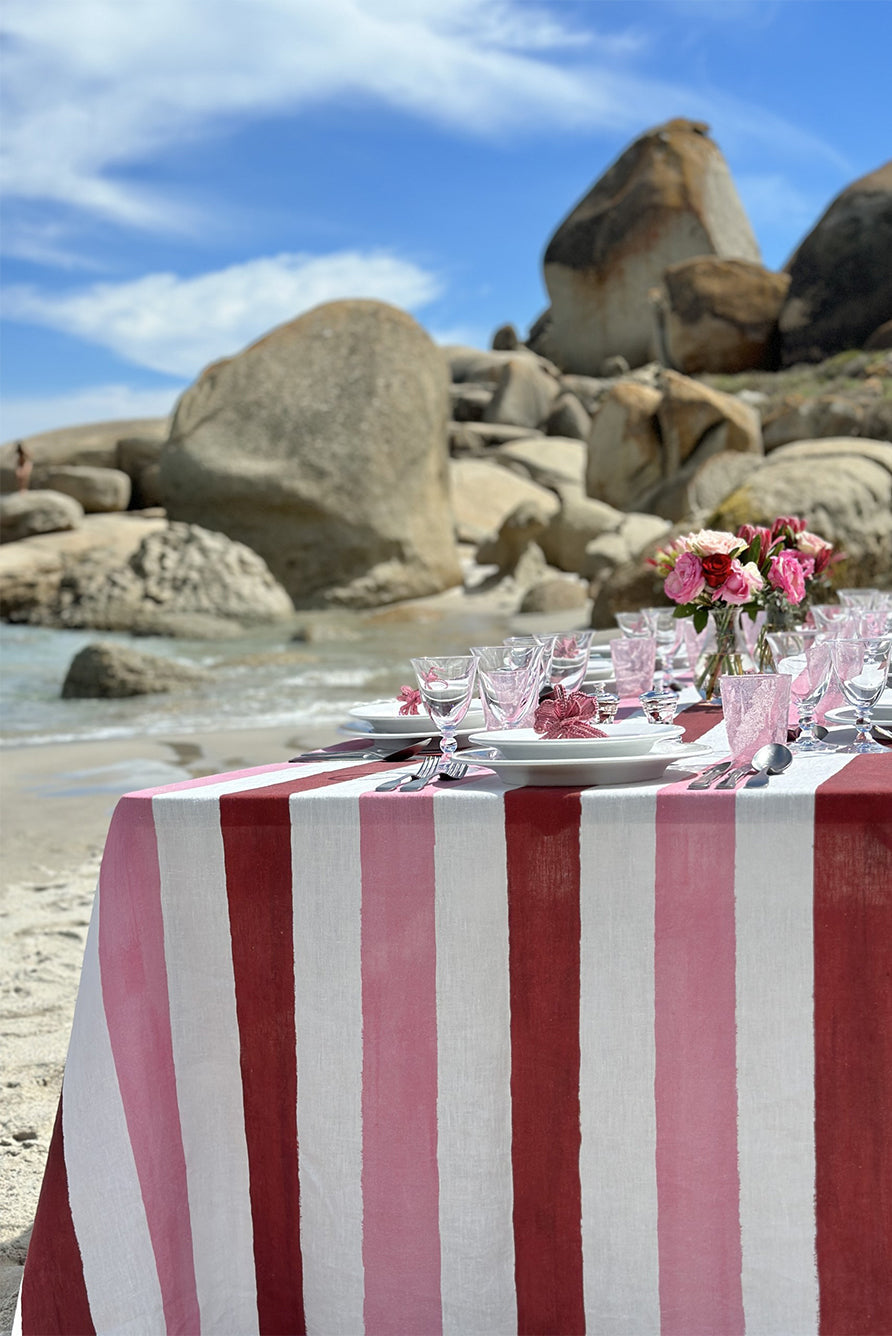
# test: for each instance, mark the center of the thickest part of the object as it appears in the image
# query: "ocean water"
(265, 680)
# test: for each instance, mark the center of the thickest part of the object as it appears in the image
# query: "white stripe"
(474, 1063)
(206, 1054)
(775, 1049)
(110, 1224)
(328, 1020)
(617, 1060)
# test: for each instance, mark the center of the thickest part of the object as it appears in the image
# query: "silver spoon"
(772, 759)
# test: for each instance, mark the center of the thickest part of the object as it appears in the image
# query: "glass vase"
(779, 616)
(723, 653)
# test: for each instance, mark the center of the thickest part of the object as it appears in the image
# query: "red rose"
(716, 568)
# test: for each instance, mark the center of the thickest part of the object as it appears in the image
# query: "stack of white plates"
(381, 719)
(632, 750)
(882, 711)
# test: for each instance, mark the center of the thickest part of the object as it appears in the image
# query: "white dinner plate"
(600, 671)
(881, 712)
(355, 728)
(629, 737)
(585, 772)
(383, 716)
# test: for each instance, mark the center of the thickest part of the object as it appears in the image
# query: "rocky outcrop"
(524, 395)
(105, 670)
(26, 514)
(323, 448)
(842, 488)
(99, 491)
(484, 494)
(647, 445)
(96, 444)
(175, 579)
(721, 315)
(667, 198)
(841, 274)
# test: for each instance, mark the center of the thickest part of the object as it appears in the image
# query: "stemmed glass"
(861, 667)
(446, 684)
(667, 630)
(633, 623)
(804, 656)
(567, 659)
(509, 678)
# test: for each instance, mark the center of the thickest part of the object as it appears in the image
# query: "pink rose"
(686, 581)
(741, 584)
(786, 574)
(807, 563)
(715, 542)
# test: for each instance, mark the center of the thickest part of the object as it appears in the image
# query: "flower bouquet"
(716, 576)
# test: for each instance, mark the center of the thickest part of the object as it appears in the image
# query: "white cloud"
(178, 325)
(27, 415)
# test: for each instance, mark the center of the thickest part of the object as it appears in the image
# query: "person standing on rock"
(23, 467)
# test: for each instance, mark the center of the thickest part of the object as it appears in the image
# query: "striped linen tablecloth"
(480, 1059)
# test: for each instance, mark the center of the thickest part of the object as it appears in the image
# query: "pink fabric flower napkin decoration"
(565, 715)
(411, 699)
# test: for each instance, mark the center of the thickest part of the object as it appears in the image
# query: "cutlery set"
(771, 759)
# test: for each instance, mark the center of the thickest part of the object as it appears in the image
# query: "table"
(480, 1060)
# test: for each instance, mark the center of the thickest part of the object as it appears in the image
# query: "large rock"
(842, 488)
(648, 444)
(721, 315)
(178, 580)
(524, 395)
(32, 572)
(483, 495)
(105, 670)
(573, 526)
(841, 274)
(27, 514)
(323, 448)
(551, 461)
(625, 451)
(95, 444)
(98, 490)
(668, 197)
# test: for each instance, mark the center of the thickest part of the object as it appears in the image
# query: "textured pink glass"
(634, 659)
(756, 710)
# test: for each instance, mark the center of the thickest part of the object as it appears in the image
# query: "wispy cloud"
(26, 415)
(96, 88)
(178, 325)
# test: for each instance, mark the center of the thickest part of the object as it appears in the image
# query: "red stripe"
(542, 835)
(54, 1295)
(256, 829)
(853, 1047)
(695, 1080)
(400, 1178)
(697, 720)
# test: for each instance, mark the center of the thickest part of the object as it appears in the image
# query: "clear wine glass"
(835, 617)
(667, 630)
(509, 678)
(567, 660)
(858, 598)
(805, 657)
(446, 684)
(861, 666)
(633, 623)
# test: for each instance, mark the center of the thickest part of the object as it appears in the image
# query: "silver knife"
(705, 778)
(734, 776)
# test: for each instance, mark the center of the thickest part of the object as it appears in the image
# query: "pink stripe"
(695, 1084)
(400, 1181)
(134, 990)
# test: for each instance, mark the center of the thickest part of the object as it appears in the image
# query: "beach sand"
(55, 806)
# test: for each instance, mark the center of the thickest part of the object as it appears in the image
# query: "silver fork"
(453, 770)
(423, 774)
(426, 773)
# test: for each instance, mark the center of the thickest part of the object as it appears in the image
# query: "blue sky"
(179, 176)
